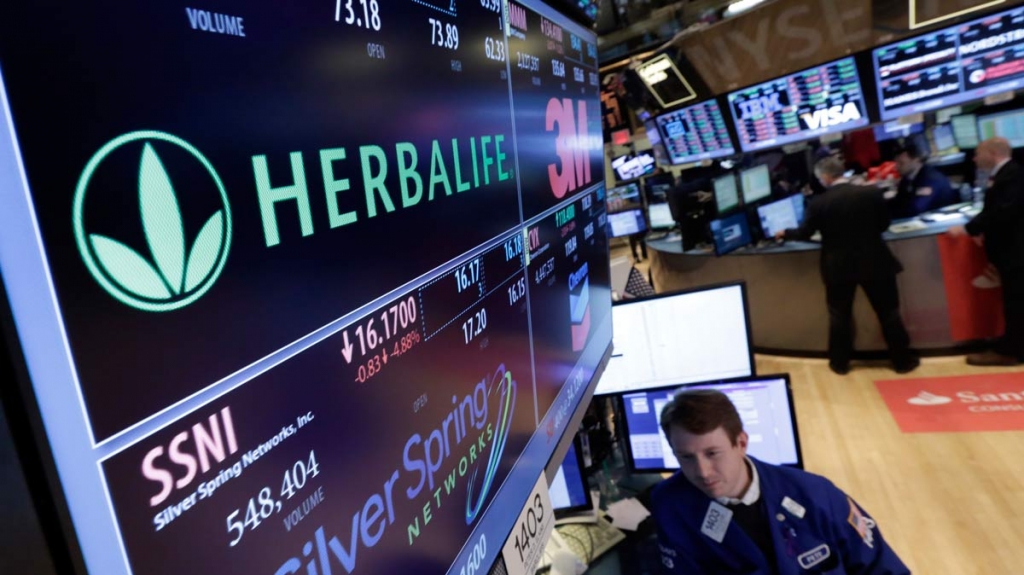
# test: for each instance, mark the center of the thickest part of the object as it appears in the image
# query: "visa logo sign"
(832, 116)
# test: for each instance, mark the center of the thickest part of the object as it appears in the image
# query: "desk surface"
(672, 243)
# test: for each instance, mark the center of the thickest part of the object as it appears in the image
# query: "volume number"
(527, 62)
(514, 248)
(570, 246)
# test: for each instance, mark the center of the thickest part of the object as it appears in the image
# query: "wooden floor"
(946, 502)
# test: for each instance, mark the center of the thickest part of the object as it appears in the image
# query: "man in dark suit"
(1000, 227)
(851, 220)
(922, 187)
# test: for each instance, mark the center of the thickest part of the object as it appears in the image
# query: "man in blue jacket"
(727, 513)
(922, 187)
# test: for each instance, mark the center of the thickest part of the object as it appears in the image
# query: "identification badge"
(793, 507)
(716, 522)
(814, 556)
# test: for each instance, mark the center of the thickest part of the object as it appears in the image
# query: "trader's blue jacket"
(834, 536)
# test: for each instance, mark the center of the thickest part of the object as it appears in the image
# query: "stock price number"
(398, 317)
(494, 49)
(513, 248)
(577, 74)
(467, 275)
(443, 34)
(369, 19)
(570, 246)
(527, 62)
(558, 68)
(529, 529)
(516, 291)
(261, 507)
(474, 325)
(492, 5)
(594, 79)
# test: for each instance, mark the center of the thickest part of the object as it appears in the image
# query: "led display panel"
(820, 100)
(300, 288)
(950, 66)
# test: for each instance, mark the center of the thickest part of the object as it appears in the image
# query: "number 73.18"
(370, 17)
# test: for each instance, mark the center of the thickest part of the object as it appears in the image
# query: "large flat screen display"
(765, 405)
(950, 66)
(695, 133)
(300, 287)
(1009, 125)
(820, 100)
(678, 338)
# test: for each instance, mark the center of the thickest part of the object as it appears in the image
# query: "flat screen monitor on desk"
(569, 490)
(727, 195)
(965, 131)
(731, 233)
(756, 184)
(624, 197)
(765, 405)
(681, 337)
(661, 216)
(1009, 125)
(781, 215)
(626, 223)
(942, 135)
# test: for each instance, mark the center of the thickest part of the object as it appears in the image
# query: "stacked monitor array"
(950, 66)
(701, 339)
(274, 314)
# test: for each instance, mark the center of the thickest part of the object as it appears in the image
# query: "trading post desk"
(787, 298)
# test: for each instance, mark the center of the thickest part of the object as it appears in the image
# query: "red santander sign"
(963, 403)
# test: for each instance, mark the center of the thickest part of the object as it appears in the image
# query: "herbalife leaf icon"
(174, 272)
(925, 398)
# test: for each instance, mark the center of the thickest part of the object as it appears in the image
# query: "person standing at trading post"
(1000, 228)
(922, 187)
(851, 220)
(727, 513)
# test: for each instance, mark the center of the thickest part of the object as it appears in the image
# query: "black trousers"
(634, 241)
(1012, 342)
(885, 300)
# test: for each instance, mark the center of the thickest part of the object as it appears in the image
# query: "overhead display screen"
(695, 133)
(950, 66)
(821, 100)
(301, 288)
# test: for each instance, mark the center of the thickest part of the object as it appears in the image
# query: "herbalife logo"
(925, 398)
(175, 270)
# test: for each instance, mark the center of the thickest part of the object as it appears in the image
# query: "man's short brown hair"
(700, 411)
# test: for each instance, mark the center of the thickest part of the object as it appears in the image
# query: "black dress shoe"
(839, 368)
(906, 366)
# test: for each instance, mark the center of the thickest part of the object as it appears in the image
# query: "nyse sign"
(784, 36)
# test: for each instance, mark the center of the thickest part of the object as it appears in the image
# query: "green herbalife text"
(444, 173)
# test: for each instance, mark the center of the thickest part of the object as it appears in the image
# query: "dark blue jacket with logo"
(834, 536)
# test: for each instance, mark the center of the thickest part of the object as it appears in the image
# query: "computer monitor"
(965, 131)
(765, 405)
(626, 223)
(569, 490)
(624, 197)
(657, 192)
(756, 184)
(661, 216)
(632, 166)
(1009, 125)
(942, 135)
(679, 337)
(893, 130)
(727, 196)
(782, 215)
(730, 233)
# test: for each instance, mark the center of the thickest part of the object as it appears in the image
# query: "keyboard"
(588, 541)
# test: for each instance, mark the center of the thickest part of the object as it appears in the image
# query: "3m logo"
(175, 270)
(571, 145)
